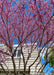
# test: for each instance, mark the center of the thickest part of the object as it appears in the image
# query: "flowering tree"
(26, 21)
(44, 19)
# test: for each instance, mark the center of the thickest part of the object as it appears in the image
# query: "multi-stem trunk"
(3, 69)
(23, 62)
(14, 66)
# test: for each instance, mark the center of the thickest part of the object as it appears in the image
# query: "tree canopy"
(26, 21)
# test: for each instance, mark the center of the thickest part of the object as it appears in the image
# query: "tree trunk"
(23, 62)
(19, 64)
(44, 67)
(3, 69)
(29, 70)
(7, 68)
(40, 69)
(14, 66)
(24, 70)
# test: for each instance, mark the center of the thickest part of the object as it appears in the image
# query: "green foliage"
(53, 16)
(50, 56)
(45, 56)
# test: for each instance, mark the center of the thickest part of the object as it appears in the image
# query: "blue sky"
(47, 66)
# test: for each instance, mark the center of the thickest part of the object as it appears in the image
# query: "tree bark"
(24, 70)
(44, 67)
(36, 66)
(23, 62)
(3, 69)
(14, 66)
(29, 70)
(19, 64)
(40, 69)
